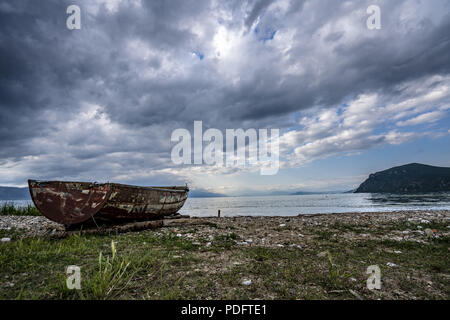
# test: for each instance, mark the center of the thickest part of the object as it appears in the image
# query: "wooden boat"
(71, 203)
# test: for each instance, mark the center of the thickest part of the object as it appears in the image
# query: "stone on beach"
(429, 232)
(391, 264)
(247, 282)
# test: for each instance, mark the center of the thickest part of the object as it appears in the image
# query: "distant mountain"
(278, 193)
(204, 194)
(12, 193)
(410, 178)
(300, 193)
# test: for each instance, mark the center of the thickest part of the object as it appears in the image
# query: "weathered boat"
(72, 203)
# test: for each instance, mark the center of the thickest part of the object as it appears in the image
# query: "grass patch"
(9, 209)
(162, 265)
(343, 227)
(225, 240)
(12, 233)
(324, 235)
(110, 277)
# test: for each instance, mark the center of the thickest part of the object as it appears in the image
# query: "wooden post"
(218, 213)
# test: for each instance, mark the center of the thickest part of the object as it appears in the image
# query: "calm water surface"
(308, 204)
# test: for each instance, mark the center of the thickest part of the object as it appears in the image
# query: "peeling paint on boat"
(76, 202)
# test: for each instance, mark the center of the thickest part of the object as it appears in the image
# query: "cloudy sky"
(101, 103)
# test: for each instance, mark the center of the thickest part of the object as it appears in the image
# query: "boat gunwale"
(183, 189)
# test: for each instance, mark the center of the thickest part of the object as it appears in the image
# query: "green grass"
(9, 209)
(111, 276)
(225, 240)
(37, 266)
(343, 227)
(11, 233)
(161, 265)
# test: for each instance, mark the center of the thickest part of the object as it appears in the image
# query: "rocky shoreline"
(269, 231)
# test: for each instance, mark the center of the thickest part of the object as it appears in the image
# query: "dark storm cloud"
(256, 11)
(102, 101)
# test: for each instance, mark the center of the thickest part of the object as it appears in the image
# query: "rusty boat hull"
(72, 203)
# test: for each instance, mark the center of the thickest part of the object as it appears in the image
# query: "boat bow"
(68, 202)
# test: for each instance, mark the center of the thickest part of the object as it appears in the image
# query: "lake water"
(308, 204)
